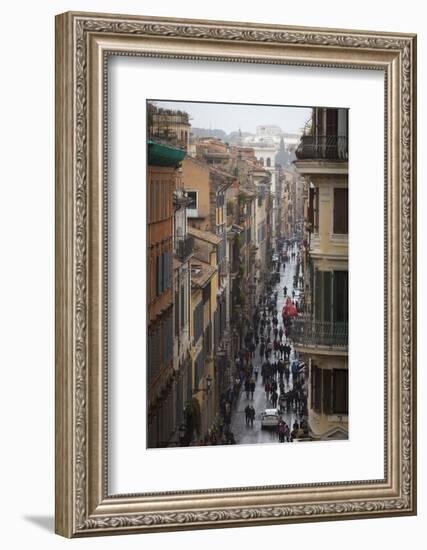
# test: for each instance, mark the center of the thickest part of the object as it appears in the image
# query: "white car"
(269, 418)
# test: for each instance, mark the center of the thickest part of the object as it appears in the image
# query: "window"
(198, 321)
(154, 354)
(268, 162)
(331, 122)
(310, 212)
(207, 341)
(193, 196)
(193, 204)
(198, 369)
(340, 391)
(182, 307)
(327, 391)
(176, 306)
(340, 210)
(206, 293)
(313, 209)
(261, 232)
(341, 296)
(331, 296)
(163, 272)
(316, 211)
(327, 295)
(316, 388)
(217, 330)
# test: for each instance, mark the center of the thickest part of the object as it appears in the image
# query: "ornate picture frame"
(83, 44)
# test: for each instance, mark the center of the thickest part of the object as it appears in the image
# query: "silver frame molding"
(83, 43)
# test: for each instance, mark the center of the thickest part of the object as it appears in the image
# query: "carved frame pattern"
(82, 510)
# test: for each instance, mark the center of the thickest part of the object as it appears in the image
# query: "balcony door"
(331, 306)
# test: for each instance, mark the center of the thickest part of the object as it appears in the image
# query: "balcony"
(184, 247)
(306, 332)
(322, 148)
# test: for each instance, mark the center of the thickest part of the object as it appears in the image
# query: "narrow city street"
(246, 434)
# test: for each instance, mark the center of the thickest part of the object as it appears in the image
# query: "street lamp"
(207, 388)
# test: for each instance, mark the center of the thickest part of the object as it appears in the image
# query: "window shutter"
(317, 386)
(198, 364)
(168, 269)
(182, 306)
(327, 391)
(340, 210)
(158, 291)
(176, 309)
(317, 294)
(340, 391)
(341, 296)
(311, 207)
(327, 295)
(312, 386)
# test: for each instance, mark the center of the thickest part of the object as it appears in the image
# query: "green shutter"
(327, 296)
(317, 295)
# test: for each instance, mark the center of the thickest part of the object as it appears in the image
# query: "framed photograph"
(235, 274)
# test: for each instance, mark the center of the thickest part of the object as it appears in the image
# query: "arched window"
(268, 162)
(261, 160)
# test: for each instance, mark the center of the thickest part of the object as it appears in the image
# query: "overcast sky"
(230, 116)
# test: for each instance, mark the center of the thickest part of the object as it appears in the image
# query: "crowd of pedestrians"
(267, 352)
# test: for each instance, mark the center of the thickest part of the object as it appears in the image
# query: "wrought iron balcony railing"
(184, 247)
(322, 147)
(307, 332)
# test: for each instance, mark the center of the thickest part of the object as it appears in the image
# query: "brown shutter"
(317, 383)
(340, 210)
(311, 208)
(312, 369)
(327, 391)
(316, 210)
(340, 391)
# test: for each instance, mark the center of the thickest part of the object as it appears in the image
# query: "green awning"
(163, 155)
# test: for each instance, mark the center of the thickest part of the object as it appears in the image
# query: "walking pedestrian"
(274, 398)
(267, 389)
(281, 430)
(247, 388)
(247, 414)
(251, 415)
(252, 387)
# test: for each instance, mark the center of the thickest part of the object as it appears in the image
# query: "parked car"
(269, 418)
